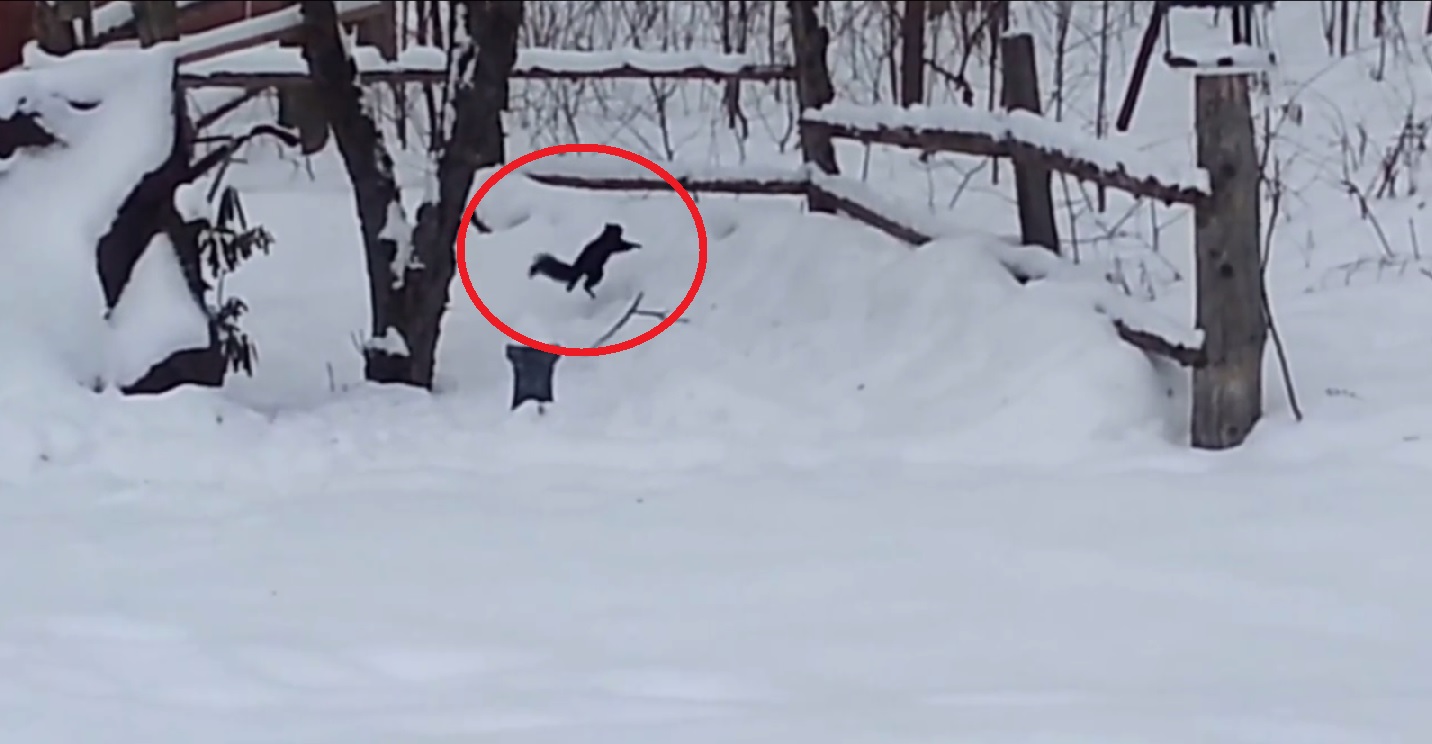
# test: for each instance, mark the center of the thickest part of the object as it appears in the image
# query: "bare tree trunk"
(301, 109)
(410, 271)
(912, 53)
(1228, 390)
(1101, 123)
(735, 40)
(1141, 67)
(1344, 22)
(1034, 197)
(1063, 17)
(811, 42)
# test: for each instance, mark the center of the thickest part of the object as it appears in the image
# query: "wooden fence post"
(1228, 390)
(1031, 178)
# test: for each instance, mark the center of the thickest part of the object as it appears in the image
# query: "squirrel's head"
(612, 230)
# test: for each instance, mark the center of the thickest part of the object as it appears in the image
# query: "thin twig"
(1284, 368)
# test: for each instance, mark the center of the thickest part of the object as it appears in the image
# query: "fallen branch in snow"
(863, 213)
(858, 201)
(1138, 324)
(1152, 344)
(634, 310)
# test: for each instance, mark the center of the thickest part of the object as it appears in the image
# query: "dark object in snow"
(23, 130)
(531, 374)
(591, 263)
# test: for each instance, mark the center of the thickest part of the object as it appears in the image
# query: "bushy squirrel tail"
(553, 268)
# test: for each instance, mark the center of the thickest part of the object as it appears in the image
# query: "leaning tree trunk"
(410, 271)
(811, 42)
(147, 212)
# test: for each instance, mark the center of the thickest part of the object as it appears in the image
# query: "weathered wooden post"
(1031, 178)
(1228, 389)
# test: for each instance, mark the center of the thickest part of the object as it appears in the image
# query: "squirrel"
(590, 264)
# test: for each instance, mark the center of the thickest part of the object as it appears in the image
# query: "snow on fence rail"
(271, 65)
(1058, 146)
(852, 198)
(262, 29)
(606, 173)
(115, 19)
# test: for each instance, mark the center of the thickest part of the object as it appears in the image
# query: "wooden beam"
(869, 216)
(694, 184)
(985, 145)
(396, 75)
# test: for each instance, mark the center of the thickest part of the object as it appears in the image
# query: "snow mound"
(806, 327)
(110, 111)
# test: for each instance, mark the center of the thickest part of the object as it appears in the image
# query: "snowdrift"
(805, 327)
(110, 112)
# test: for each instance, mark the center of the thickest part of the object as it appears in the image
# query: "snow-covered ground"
(865, 494)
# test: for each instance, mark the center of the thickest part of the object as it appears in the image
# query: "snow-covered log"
(1059, 146)
(271, 65)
